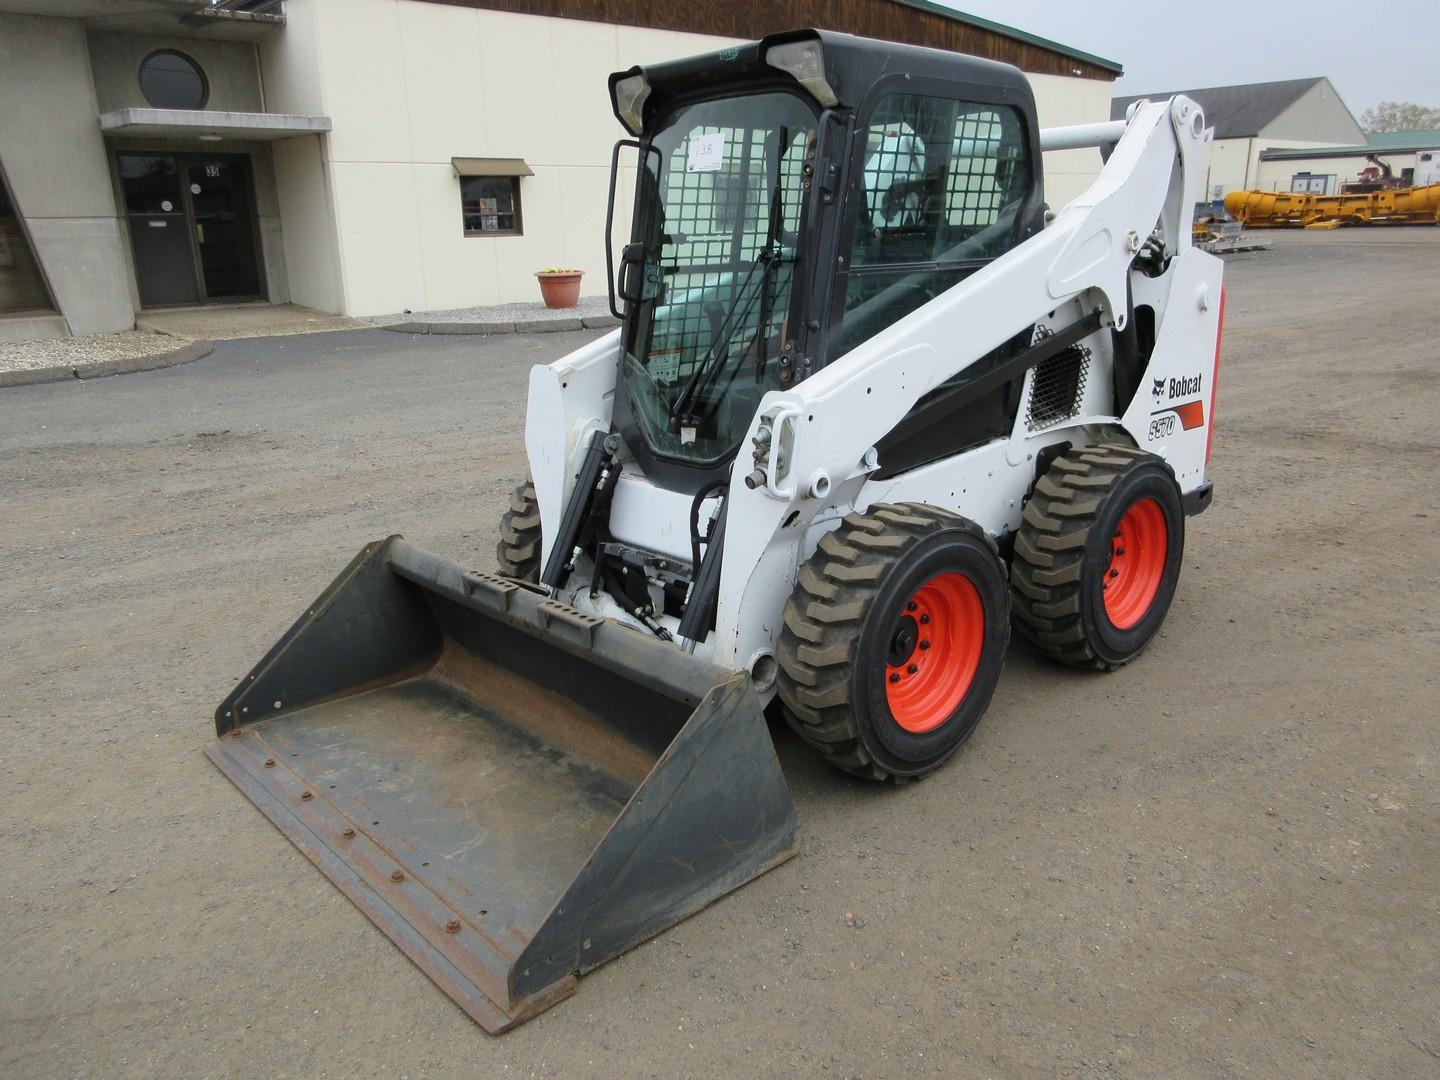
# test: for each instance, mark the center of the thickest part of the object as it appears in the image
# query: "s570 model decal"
(1190, 413)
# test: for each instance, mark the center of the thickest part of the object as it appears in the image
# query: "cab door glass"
(718, 212)
(943, 183)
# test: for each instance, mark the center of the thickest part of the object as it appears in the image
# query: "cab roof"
(853, 66)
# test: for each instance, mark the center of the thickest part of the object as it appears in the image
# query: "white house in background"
(1413, 157)
(365, 156)
(1253, 117)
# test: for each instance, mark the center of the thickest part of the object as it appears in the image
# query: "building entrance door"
(192, 227)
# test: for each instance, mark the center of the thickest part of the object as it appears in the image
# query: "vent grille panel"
(1058, 388)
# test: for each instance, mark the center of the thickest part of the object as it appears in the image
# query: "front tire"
(518, 552)
(893, 640)
(1098, 555)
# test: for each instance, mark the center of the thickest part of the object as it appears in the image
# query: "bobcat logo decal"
(1158, 390)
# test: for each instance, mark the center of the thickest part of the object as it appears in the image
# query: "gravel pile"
(83, 351)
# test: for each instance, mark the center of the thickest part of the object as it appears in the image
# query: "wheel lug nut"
(1119, 551)
(911, 606)
(924, 644)
(894, 676)
(912, 669)
(1114, 573)
(924, 620)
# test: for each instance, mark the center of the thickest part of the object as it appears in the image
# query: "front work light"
(806, 61)
(631, 93)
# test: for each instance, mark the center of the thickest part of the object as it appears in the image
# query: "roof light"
(630, 94)
(806, 61)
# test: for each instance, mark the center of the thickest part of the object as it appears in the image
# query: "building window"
(171, 80)
(491, 205)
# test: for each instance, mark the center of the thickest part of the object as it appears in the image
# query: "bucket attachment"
(512, 790)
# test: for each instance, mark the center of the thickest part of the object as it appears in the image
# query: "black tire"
(846, 624)
(1069, 544)
(518, 552)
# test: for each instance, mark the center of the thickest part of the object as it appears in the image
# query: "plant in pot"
(560, 286)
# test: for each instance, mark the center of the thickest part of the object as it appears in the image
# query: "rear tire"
(518, 552)
(893, 640)
(1098, 555)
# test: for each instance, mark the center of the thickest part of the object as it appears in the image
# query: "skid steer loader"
(871, 403)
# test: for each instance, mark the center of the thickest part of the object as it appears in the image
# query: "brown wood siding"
(755, 18)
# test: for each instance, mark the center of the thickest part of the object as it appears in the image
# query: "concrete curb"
(185, 354)
(524, 326)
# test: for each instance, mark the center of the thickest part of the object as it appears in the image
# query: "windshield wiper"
(735, 316)
(719, 344)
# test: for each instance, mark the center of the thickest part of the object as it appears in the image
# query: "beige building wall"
(1319, 116)
(410, 85)
(290, 70)
(464, 82)
(1277, 175)
(1058, 102)
(1235, 163)
(1230, 167)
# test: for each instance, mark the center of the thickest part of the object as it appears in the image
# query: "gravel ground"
(589, 307)
(81, 351)
(1220, 862)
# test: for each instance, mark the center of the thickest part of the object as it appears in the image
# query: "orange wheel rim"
(1137, 563)
(934, 651)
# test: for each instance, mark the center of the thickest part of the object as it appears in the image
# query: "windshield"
(718, 212)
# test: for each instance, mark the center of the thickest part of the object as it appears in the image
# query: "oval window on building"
(171, 80)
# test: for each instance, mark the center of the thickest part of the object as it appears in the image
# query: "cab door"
(159, 221)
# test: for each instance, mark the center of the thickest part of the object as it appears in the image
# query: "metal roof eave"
(1302, 153)
(1011, 32)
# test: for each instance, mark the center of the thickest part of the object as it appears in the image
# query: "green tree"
(1400, 116)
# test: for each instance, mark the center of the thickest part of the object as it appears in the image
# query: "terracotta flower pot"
(560, 288)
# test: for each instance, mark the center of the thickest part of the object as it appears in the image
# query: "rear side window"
(943, 181)
(942, 187)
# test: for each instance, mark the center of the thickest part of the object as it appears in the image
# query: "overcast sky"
(1372, 52)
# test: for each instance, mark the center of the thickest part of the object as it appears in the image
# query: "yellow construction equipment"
(1292, 209)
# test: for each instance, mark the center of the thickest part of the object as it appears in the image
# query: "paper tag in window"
(665, 366)
(687, 436)
(706, 153)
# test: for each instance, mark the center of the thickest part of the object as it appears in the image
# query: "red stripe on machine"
(1191, 414)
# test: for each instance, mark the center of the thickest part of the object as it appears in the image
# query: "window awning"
(491, 166)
